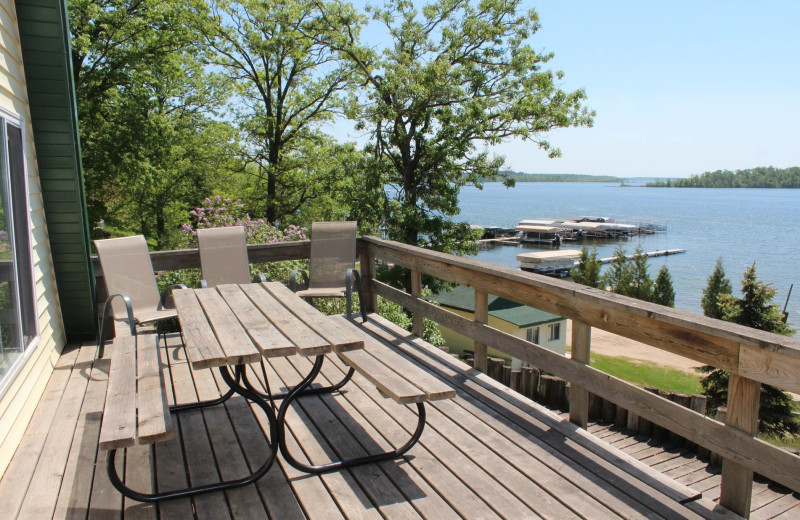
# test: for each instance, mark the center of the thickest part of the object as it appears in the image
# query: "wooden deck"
(488, 453)
(673, 459)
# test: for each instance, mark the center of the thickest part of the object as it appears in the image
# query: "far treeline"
(761, 177)
(556, 177)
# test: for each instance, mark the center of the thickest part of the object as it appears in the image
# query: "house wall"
(457, 343)
(20, 397)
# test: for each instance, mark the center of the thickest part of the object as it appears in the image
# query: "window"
(532, 335)
(554, 332)
(17, 300)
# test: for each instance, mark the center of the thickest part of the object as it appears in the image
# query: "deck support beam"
(581, 353)
(417, 326)
(744, 398)
(481, 316)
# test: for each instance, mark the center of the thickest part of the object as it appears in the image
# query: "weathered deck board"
(485, 454)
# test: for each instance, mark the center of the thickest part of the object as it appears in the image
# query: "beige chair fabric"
(331, 270)
(130, 283)
(223, 255)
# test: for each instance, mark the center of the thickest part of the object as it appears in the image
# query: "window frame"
(552, 329)
(10, 118)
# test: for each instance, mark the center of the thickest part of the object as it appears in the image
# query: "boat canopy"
(537, 229)
(546, 256)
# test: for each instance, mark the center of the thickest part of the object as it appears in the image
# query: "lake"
(741, 226)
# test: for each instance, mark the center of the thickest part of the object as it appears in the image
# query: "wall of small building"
(22, 394)
(458, 343)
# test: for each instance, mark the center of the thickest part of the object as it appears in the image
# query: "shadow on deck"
(488, 453)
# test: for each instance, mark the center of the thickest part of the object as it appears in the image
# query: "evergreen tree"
(641, 286)
(663, 293)
(587, 271)
(619, 276)
(718, 285)
(754, 309)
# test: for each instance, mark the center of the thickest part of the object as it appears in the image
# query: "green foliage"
(288, 84)
(761, 177)
(587, 270)
(754, 309)
(150, 142)
(453, 77)
(641, 286)
(663, 292)
(717, 287)
(619, 277)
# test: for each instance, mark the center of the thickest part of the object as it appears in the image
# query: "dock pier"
(649, 254)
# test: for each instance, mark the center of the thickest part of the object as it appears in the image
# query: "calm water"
(740, 225)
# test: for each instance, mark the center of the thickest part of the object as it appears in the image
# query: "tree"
(148, 138)
(453, 78)
(663, 292)
(289, 84)
(587, 270)
(641, 286)
(754, 309)
(619, 277)
(718, 285)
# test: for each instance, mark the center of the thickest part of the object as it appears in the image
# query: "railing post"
(581, 352)
(481, 316)
(367, 276)
(744, 397)
(417, 326)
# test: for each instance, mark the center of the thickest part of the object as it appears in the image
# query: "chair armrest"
(168, 291)
(203, 284)
(260, 277)
(128, 309)
(293, 280)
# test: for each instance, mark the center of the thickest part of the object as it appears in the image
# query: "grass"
(643, 373)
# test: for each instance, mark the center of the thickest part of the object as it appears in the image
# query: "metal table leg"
(336, 465)
(235, 387)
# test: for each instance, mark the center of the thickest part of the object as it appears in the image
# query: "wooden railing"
(751, 356)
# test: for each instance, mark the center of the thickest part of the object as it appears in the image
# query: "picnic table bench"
(236, 325)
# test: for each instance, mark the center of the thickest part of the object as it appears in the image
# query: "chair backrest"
(223, 255)
(333, 252)
(127, 269)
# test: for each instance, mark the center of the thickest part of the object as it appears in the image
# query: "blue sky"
(680, 87)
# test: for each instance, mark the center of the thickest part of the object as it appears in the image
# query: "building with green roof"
(540, 327)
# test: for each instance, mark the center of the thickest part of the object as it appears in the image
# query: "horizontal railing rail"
(751, 356)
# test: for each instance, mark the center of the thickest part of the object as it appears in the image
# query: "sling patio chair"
(223, 256)
(131, 285)
(331, 267)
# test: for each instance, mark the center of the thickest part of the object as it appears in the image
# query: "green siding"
(463, 298)
(44, 34)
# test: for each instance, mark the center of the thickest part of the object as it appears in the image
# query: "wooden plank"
(433, 388)
(367, 265)
(235, 342)
(729, 442)
(76, 484)
(308, 342)
(481, 360)
(42, 493)
(342, 339)
(581, 353)
(154, 421)
(263, 333)
(119, 415)
(138, 475)
(384, 379)
(781, 368)
(744, 397)
(201, 344)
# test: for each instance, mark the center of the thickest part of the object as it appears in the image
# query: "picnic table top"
(235, 324)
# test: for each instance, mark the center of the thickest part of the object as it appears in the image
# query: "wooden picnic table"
(233, 325)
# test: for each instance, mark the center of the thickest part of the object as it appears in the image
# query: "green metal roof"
(463, 298)
(44, 35)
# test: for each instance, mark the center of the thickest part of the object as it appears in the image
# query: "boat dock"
(649, 254)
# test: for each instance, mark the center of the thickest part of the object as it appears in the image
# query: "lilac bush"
(217, 211)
